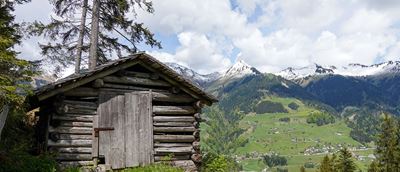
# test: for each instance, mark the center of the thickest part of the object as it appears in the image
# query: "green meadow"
(293, 139)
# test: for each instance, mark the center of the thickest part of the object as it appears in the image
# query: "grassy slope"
(266, 133)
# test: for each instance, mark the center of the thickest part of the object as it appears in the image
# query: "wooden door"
(130, 143)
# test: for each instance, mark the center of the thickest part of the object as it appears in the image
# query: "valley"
(348, 111)
(299, 142)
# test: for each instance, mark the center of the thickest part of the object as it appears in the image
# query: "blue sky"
(210, 35)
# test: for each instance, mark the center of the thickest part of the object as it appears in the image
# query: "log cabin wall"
(176, 117)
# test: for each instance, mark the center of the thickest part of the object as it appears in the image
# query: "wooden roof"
(76, 80)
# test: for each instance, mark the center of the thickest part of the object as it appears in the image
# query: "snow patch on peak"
(353, 69)
(240, 69)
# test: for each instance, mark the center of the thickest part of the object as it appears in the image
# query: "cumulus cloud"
(274, 34)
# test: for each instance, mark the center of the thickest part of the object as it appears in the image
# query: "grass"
(290, 139)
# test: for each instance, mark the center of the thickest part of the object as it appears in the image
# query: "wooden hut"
(129, 112)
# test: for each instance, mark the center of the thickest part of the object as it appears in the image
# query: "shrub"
(286, 119)
(270, 107)
(280, 169)
(293, 106)
(273, 160)
(219, 163)
(309, 165)
(320, 118)
(154, 168)
(22, 161)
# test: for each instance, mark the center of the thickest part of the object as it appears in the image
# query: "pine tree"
(302, 169)
(345, 162)
(14, 72)
(326, 165)
(222, 133)
(69, 37)
(387, 145)
(373, 167)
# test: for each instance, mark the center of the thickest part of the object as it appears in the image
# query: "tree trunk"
(94, 35)
(80, 39)
(3, 116)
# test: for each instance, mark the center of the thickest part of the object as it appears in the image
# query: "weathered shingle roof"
(141, 57)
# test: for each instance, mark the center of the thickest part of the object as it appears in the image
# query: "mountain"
(214, 80)
(348, 70)
(194, 76)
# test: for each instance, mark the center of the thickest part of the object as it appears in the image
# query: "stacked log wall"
(176, 118)
(70, 130)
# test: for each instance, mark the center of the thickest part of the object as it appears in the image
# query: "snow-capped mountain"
(194, 76)
(348, 70)
(238, 70)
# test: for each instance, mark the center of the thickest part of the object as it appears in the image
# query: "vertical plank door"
(130, 144)
(138, 129)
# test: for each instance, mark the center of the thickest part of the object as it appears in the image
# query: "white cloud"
(281, 33)
(196, 51)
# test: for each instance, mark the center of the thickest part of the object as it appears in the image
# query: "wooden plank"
(105, 120)
(128, 88)
(77, 118)
(135, 81)
(174, 129)
(168, 97)
(131, 132)
(76, 163)
(173, 124)
(75, 137)
(71, 130)
(177, 150)
(69, 157)
(117, 154)
(80, 150)
(173, 119)
(173, 110)
(139, 127)
(174, 138)
(95, 143)
(80, 104)
(171, 158)
(75, 124)
(117, 157)
(168, 145)
(82, 92)
(70, 143)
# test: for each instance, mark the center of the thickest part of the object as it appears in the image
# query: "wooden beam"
(168, 97)
(98, 83)
(70, 143)
(173, 119)
(71, 157)
(129, 88)
(71, 130)
(173, 138)
(173, 110)
(75, 137)
(77, 118)
(173, 124)
(135, 81)
(171, 158)
(82, 92)
(81, 150)
(168, 145)
(175, 150)
(75, 124)
(76, 163)
(174, 129)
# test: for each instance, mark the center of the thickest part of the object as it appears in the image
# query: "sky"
(210, 35)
